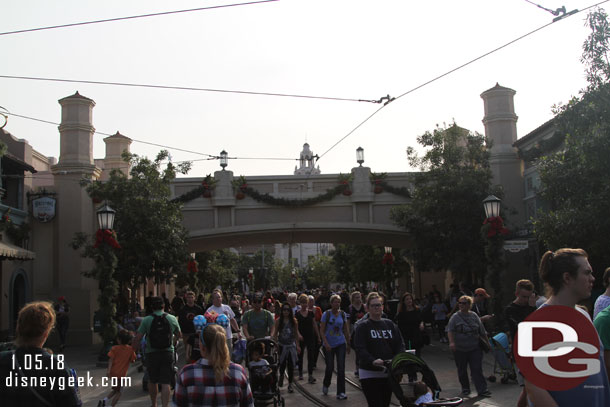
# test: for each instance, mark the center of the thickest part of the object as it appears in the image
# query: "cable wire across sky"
(108, 20)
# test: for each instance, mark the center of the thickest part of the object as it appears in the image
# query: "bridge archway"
(270, 211)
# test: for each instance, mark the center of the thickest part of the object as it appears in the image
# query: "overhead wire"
(187, 88)
(209, 156)
(391, 99)
(107, 20)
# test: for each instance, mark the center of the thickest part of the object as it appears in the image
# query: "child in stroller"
(424, 393)
(262, 359)
(260, 372)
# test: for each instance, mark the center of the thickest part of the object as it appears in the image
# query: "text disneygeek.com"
(17, 380)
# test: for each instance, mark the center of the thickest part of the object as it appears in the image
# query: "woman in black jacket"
(376, 339)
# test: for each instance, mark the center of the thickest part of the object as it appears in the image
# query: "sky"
(352, 49)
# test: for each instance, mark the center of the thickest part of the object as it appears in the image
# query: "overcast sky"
(337, 48)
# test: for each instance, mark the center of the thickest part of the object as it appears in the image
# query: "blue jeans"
(338, 351)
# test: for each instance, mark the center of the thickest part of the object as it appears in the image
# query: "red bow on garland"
(108, 236)
(388, 259)
(192, 266)
(496, 226)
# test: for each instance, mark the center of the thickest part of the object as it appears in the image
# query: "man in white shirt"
(220, 308)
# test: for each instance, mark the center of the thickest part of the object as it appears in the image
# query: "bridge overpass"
(274, 209)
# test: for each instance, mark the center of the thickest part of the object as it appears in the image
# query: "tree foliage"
(148, 225)
(356, 264)
(445, 213)
(576, 182)
(321, 271)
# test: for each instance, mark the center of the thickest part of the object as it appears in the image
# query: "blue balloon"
(222, 320)
(199, 322)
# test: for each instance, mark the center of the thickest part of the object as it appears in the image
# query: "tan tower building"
(500, 123)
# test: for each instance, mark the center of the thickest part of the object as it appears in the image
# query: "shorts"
(160, 367)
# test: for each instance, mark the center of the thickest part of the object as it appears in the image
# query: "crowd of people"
(310, 321)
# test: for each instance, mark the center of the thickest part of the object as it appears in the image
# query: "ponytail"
(214, 339)
(554, 265)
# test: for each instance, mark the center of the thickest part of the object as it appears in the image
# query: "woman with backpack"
(334, 329)
(287, 334)
(376, 339)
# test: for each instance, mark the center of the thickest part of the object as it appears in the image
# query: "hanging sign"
(43, 208)
(515, 246)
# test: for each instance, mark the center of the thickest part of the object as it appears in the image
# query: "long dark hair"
(401, 305)
(291, 318)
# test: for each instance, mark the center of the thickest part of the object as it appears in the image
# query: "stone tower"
(115, 145)
(500, 123)
(75, 213)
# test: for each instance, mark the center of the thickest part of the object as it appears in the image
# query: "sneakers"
(325, 390)
(341, 396)
(485, 393)
(290, 389)
(465, 392)
(311, 380)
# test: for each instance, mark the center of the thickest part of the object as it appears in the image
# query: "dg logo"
(557, 348)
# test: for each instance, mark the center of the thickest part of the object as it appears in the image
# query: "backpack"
(160, 332)
(326, 316)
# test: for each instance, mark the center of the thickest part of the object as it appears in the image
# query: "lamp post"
(224, 160)
(493, 231)
(106, 262)
(251, 278)
(360, 155)
(294, 277)
(388, 260)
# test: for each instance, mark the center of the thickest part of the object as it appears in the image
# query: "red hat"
(482, 292)
(62, 298)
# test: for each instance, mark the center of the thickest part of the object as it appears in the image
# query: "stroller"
(264, 379)
(503, 359)
(407, 364)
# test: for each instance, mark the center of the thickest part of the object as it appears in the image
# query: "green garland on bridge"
(271, 200)
(242, 187)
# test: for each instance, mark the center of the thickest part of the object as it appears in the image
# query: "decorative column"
(75, 214)
(501, 128)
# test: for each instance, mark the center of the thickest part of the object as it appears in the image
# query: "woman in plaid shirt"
(213, 380)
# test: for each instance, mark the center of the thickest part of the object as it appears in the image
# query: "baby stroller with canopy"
(504, 364)
(408, 365)
(264, 378)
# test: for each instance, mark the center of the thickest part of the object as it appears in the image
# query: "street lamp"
(251, 277)
(492, 206)
(360, 155)
(105, 217)
(224, 160)
(494, 231)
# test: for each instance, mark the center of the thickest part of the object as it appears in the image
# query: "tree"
(148, 224)
(576, 185)
(356, 264)
(445, 213)
(321, 271)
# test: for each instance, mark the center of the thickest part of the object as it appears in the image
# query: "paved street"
(437, 356)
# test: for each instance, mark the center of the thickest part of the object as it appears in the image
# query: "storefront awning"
(11, 252)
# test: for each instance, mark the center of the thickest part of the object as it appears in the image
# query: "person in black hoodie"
(376, 339)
